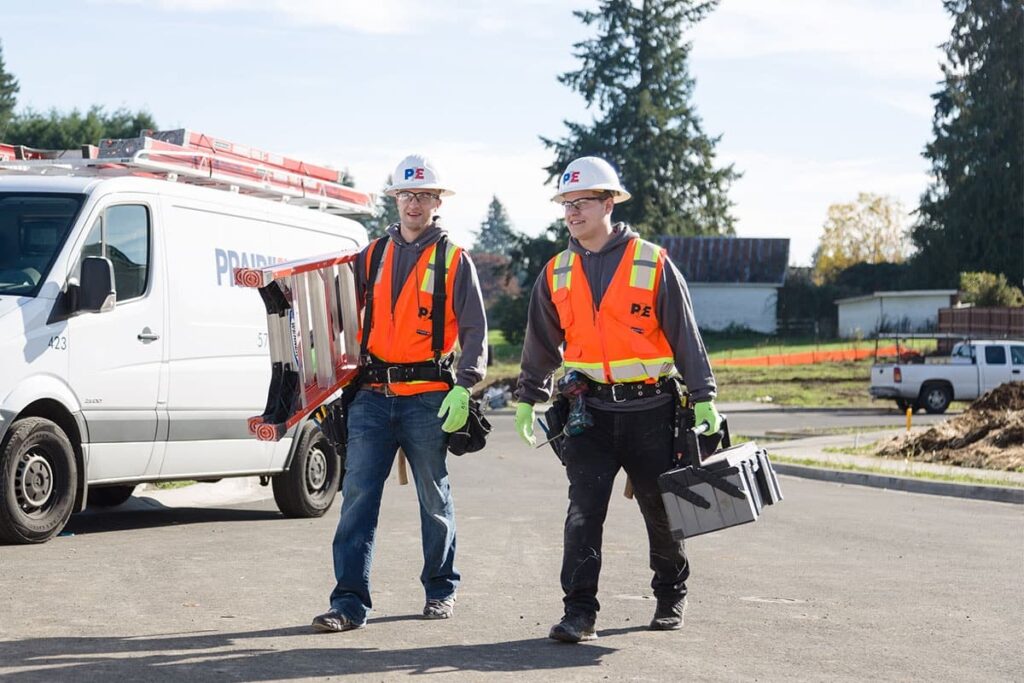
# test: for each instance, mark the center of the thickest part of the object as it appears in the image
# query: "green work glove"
(524, 423)
(705, 411)
(456, 404)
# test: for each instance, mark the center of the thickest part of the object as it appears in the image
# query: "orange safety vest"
(404, 334)
(620, 341)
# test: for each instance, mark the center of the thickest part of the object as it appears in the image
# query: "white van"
(127, 355)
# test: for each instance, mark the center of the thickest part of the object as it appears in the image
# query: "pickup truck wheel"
(935, 398)
(37, 481)
(902, 404)
(110, 496)
(309, 486)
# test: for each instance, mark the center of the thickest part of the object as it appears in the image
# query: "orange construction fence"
(809, 357)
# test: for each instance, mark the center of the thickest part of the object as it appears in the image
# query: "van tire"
(308, 487)
(935, 398)
(110, 496)
(38, 475)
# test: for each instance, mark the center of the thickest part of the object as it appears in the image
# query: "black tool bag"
(473, 435)
(555, 419)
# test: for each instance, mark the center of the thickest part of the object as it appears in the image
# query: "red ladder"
(199, 159)
(313, 326)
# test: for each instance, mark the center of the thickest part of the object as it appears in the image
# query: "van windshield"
(33, 227)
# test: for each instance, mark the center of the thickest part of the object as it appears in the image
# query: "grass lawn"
(721, 345)
(167, 485)
(824, 384)
(819, 385)
(909, 473)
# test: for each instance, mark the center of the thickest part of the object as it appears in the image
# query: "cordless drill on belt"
(573, 386)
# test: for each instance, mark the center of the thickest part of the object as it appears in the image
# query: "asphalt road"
(834, 583)
(753, 419)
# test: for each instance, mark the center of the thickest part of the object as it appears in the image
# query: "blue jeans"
(377, 426)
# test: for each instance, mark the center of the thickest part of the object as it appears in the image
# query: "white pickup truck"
(973, 368)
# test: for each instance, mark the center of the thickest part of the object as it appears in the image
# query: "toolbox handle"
(693, 442)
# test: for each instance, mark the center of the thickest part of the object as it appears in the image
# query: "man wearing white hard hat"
(412, 394)
(621, 311)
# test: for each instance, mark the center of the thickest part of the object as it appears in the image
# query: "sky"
(815, 101)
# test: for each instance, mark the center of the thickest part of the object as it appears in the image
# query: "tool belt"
(377, 371)
(629, 391)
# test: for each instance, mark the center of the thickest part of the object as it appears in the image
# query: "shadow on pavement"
(207, 655)
(92, 522)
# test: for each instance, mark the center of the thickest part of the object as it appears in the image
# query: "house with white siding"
(733, 281)
(915, 310)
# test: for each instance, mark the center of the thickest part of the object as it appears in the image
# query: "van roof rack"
(197, 159)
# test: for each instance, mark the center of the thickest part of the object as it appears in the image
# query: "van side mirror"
(95, 290)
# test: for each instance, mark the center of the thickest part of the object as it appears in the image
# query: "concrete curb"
(999, 494)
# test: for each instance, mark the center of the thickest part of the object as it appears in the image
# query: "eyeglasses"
(582, 203)
(421, 197)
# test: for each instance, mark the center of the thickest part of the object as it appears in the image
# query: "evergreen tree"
(57, 130)
(496, 235)
(8, 95)
(972, 216)
(634, 75)
(387, 213)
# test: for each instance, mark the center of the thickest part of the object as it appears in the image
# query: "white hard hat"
(416, 172)
(590, 173)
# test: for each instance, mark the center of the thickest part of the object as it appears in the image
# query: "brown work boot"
(669, 614)
(574, 628)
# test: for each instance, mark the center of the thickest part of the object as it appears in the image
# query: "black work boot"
(574, 628)
(333, 621)
(669, 614)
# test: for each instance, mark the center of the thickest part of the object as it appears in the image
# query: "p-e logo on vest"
(642, 311)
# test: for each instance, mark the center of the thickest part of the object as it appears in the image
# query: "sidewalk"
(901, 475)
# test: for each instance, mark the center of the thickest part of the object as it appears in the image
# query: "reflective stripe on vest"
(563, 270)
(622, 340)
(645, 265)
(428, 277)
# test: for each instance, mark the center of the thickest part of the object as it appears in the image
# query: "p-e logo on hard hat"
(573, 177)
(414, 173)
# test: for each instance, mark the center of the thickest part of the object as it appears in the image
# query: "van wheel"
(110, 496)
(935, 398)
(309, 486)
(37, 481)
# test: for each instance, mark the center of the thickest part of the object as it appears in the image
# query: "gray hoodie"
(542, 348)
(468, 302)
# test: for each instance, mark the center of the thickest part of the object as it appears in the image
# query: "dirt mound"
(989, 435)
(1009, 396)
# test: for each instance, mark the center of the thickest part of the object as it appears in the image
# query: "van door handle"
(147, 335)
(1016, 372)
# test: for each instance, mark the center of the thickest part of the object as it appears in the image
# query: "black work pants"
(641, 443)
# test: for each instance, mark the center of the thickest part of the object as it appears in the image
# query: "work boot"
(333, 621)
(574, 628)
(442, 608)
(669, 614)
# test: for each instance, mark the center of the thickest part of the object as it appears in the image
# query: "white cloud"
(475, 171)
(789, 196)
(883, 39)
(381, 16)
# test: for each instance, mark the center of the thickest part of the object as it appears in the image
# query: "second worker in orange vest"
(413, 393)
(623, 313)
